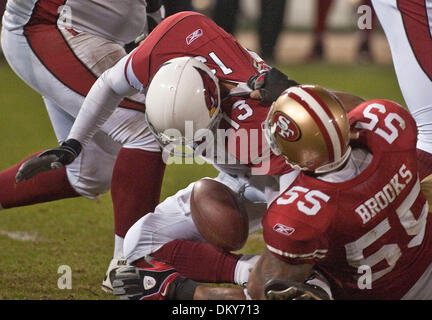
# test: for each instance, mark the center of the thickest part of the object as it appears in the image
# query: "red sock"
(424, 160)
(44, 187)
(135, 186)
(199, 261)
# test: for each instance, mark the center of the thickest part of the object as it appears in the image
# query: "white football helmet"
(183, 90)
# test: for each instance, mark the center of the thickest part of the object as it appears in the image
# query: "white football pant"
(415, 83)
(90, 174)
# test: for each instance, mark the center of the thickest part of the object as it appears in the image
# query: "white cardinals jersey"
(119, 21)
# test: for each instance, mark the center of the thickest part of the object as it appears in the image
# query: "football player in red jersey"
(365, 225)
(355, 212)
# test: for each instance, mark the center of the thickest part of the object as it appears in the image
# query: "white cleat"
(114, 265)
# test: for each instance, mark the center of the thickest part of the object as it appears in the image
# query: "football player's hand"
(49, 160)
(268, 85)
(153, 19)
(292, 290)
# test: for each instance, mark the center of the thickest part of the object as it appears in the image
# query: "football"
(217, 215)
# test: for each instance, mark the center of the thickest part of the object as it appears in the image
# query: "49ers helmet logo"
(210, 91)
(286, 128)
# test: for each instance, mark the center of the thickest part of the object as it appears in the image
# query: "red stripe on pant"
(415, 20)
(52, 50)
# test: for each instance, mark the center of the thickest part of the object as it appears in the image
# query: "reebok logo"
(287, 231)
(193, 36)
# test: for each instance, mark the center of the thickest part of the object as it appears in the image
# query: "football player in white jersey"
(59, 48)
(408, 27)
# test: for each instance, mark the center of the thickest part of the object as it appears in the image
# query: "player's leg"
(137, 177)
(271, 23)
(322, 9)
(61, 183)
(81, 52)
(225, 14)
(48, 186)
(90, 173)
(138, 172)
(364, 50)
(408, 31)
(169, 234)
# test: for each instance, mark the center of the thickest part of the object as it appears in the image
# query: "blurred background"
(294, 31)
(312, 41)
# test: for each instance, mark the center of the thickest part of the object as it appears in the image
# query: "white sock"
(243, 268)
(118, 247)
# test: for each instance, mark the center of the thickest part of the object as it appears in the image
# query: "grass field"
(36, 240)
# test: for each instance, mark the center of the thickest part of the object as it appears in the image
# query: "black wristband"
(73, 146)
(182, 289)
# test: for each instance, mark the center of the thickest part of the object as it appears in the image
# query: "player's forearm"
(98, 106)
(349, 101)
(104, 96)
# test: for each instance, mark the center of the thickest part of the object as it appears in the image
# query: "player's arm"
(103, 98)
(275, 279)
(155, 14)
(270, 279)
(268, 85)
(348, 100)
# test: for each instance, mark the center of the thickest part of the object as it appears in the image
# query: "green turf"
(79, 232)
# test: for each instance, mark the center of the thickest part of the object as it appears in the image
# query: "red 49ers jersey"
(190, 34)
(370, 235)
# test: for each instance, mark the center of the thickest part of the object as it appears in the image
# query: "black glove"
(49, 160)
(154, 18)
(292, 290)
(270, 83)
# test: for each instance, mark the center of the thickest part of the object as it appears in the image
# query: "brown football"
(217, 215)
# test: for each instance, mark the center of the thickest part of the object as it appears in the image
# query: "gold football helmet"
(308, 126)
